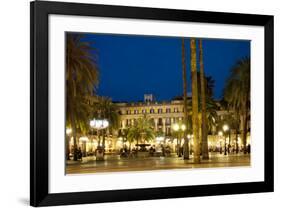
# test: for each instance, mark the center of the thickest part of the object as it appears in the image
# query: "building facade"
(163, 115)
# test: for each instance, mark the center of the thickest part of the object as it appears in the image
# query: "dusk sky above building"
(131, 66)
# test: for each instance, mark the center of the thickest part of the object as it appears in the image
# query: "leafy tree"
(81, 81)
(142, 130)
(237, 94)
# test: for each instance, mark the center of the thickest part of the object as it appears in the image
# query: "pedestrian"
(249, 148)
(79, 153)
(163, 150)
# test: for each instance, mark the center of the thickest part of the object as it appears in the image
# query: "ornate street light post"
(99, 124)
(225, 129)
(178, 128)
(220, 135)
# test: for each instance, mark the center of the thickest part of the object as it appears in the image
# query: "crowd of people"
(161, 150)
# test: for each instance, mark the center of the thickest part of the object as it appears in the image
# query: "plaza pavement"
(117, 164)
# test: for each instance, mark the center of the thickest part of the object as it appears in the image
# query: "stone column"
(156, 122)
(164, 125)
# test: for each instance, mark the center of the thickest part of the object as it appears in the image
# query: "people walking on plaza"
(79, 154)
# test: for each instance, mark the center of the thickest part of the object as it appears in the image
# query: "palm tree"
(211, 104)
(186, 145)
(81, 80)
(124, 134)
(205, 152)
(142, 130)
(131, 136)
(211, 114)
(237, 94)
(195, 123)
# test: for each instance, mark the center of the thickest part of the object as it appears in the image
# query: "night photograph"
(144, 103)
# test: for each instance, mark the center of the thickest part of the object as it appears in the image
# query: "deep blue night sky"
(131, 66)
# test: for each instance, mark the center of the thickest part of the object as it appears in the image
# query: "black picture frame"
(39, 89)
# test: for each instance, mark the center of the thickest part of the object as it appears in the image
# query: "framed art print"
(133, 103)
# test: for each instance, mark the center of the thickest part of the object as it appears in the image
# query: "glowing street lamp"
(225, 129)
(68, 131)
(178, 128)
(183, 127)
(99, 124)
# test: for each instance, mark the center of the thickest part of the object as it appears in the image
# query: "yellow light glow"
(176, 127)
(83, 139)
(220, 133)
(183, 127)
(225, 127)
(159, 139)
(68, 131)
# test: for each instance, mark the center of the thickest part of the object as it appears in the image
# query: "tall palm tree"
(186, 145)
(237, 94)
(211, 104)
(81, 80)
(195, 122)
(205, 152)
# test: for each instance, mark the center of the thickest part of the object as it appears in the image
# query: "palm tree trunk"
(67, 142)
(103, 139)
(123, 142)
(195, 124)
(137, 149)
(244, 126)
(186, 145)
(237, 146)
(73, 126)
(205, 152)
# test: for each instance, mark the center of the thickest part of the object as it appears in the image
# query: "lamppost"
(189, 137)
(178, 128)
(220, 135)
(68, 132)
(225, 129)
(99, 124)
